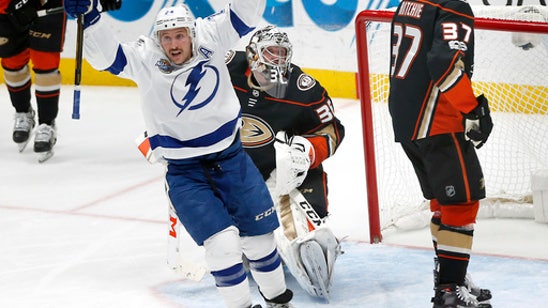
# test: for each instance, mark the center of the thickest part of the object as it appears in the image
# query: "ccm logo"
(265, 214)
(310, 213)
(20, 4)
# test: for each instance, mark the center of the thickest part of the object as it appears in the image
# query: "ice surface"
(88, 227)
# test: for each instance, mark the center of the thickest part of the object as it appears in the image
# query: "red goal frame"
(363, 88)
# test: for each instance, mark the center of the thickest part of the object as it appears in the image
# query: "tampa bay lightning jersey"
(191, 109)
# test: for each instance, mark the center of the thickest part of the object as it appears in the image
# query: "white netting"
(515, 82)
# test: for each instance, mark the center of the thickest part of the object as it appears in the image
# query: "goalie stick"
(312, 217)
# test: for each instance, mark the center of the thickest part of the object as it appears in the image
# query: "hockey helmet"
(269, 56)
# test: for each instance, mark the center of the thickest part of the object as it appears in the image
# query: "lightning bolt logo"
(192, 84)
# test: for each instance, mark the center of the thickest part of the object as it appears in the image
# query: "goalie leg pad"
(315, 264)
(311, 259)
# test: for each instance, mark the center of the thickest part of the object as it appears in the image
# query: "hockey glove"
(23, 12)
(294, 155)
(86, 7)
(478, 124)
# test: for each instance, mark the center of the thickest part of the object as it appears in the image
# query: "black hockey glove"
(23, 11)
(478, 124)
(111, 5)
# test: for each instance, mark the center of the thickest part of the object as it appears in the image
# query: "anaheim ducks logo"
(255, 132)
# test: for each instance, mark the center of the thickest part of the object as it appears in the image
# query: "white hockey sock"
(271, 283)
(236, 296)
(265, 264)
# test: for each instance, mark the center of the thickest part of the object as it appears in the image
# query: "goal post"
(513, 79)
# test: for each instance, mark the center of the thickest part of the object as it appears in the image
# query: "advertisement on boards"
(321, 31)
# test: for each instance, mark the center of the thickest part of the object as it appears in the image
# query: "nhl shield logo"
(450, 191)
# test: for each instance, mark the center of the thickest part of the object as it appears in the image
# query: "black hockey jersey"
(432, 49)
(305, 110)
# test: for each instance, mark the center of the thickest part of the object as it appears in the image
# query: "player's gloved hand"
(478, 124)
(23, 12)
(294, 155)
(89, 8)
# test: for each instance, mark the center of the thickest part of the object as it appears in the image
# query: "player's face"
(275, 55)
(177, 44)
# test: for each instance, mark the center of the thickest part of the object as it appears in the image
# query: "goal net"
(514, 80)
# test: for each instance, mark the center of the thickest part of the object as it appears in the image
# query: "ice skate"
(454, 296)
(280, 301)
(482, 295)
(24, 123)
(315, 264)
(44, 140)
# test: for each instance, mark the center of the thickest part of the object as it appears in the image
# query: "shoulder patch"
(229, 55)
(305, 82)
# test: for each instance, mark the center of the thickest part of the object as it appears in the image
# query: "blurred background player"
(289, 129)
(525, 40)
(26, 37)
(193, 119)
(439, 123)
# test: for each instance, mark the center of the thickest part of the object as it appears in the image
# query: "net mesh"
(515, 82)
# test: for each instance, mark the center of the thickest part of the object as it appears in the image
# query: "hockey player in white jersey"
(193, 118)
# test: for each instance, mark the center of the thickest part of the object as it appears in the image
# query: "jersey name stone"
(411, 9)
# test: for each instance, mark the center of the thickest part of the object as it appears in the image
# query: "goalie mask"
(175, 17)
(269, 55)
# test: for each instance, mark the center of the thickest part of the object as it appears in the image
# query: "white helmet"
(270, 66)
(174, 17)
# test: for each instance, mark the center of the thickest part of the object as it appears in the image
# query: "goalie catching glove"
(478, 124)
(294, 155)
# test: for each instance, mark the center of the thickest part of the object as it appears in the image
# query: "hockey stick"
(55, 10)
(79, 56)
(78, 69)
(176, 258)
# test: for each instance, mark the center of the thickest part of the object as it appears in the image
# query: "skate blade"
(21, 146)
(44, 156)
(316, 267)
